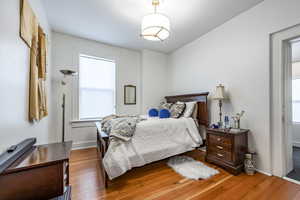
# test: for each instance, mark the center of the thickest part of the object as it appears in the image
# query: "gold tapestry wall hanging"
(35, 38)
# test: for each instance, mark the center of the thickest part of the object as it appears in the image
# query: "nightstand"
(227, 148)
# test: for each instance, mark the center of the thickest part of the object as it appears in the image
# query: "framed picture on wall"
(130, 95)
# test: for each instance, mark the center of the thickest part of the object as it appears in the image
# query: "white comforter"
(154, 139)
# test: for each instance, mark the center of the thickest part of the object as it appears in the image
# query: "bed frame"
(201, 100)
(202, 117)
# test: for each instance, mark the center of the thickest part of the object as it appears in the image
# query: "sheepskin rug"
(190, 168)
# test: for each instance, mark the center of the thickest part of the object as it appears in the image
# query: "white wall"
(154, 79)
(14, 77)
(66, 50)
(237, 55)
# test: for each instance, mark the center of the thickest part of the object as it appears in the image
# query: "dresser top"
(42, 155)
(228, 131)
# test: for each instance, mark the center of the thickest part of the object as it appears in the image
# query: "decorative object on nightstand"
(227, 149)
(226, 122)
(249, 163)
(220, 95)
(66, 73)
(237, 119)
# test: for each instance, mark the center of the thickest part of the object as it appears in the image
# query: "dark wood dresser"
(227, 148)
(40, 173)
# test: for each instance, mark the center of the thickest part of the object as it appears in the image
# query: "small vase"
(249, 164)
(235, 124)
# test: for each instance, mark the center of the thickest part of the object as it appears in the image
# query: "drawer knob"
(219, 147)
(219, 139)
(220, 155)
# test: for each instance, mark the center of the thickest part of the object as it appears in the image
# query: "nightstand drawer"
(220, 147)
(222, 140)
(222, 155)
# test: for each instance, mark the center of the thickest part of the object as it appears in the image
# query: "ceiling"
(117, 22)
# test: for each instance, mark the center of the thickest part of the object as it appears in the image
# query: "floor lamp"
(66, 73)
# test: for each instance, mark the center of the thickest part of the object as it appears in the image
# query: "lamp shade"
(220, 93)
(155, 27)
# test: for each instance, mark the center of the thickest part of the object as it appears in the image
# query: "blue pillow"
(153, 112)
(164, 113)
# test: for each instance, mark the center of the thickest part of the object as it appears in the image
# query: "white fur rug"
(190, 168)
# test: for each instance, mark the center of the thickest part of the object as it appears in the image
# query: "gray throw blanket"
(120, 127)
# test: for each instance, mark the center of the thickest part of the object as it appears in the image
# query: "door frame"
(280, 100)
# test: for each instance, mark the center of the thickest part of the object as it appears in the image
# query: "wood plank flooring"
(157, 181)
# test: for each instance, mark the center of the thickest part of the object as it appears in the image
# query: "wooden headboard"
(200, 98)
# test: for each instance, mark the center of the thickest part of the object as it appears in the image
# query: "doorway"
(295, 100)
(281, 105)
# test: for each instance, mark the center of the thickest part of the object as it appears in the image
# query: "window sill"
(85, 120)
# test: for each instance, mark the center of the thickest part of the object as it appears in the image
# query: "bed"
(154, 139)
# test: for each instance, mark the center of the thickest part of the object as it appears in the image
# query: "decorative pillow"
(153, 112)
(177, 109)
(164, 113)
(165, 105)
(189, 109)
(195, 112)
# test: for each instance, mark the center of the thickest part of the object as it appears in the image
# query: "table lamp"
(220, 95)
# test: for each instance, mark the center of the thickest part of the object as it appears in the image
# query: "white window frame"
(295, 101)
(79, 88)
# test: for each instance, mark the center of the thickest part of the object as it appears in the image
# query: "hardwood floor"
(158, 182)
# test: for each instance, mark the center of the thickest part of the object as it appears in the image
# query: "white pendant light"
(155, 26)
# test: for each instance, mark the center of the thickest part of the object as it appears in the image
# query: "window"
(97, 90)
(296, 100)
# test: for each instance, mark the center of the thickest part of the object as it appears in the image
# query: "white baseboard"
(84, 145)
(291, 180)
(263, 172)
(296, 144)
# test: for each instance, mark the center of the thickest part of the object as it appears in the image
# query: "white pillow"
(189, 108)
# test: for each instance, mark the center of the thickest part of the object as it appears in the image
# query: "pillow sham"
(177, 109)
(165, 105)
(153, 112)
(164, 113)
(189, 109)
(195, 112)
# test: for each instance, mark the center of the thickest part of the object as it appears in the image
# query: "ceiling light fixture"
(155, 26)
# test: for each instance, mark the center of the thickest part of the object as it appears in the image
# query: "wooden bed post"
(102, 145)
